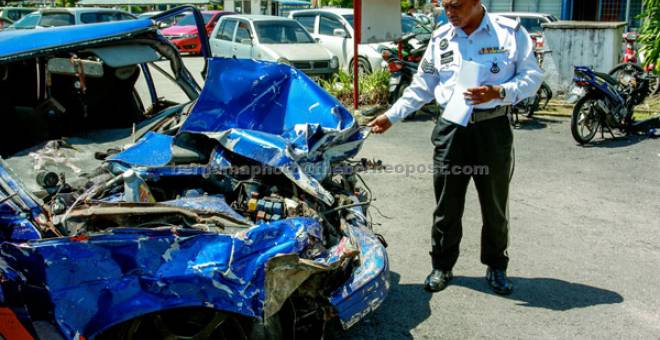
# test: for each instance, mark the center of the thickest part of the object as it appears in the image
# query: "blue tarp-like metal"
(16, 43)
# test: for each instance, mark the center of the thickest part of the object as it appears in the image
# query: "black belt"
(480, 115)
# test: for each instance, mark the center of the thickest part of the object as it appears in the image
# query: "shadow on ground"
(406, 306)
(547, 293)
(535, 123)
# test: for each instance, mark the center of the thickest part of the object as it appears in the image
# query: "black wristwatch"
(502, 92)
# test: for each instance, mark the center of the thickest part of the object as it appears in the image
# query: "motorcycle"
(608, 105)
(630, 66)
(540, 100)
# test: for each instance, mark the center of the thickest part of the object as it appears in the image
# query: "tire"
(585, 116)
(184, 323)
(545, 95)
(626, 68)
(654, 83)
(363, 66)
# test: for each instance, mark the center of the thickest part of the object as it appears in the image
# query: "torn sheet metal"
(275, 115)
(138, 271)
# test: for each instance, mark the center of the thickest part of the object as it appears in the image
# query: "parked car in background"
(184, 32)
(163, 23)
(129, 214)
(531, 21)
(9, 15)
(334, 29)
(53, 17)
(272, 38)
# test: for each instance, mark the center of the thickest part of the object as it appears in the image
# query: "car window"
(189, 20)
(282, 32)
(28, 21)
(123, 16)
(226, 31)
(349, 18)
(531, 24)
(412, 25)
(56, 19)
(15, 14)
(307, 21)
(328, 25)
(243, 32)
(93, 17)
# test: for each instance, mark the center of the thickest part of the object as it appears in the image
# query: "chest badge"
(492, 50)
(444, 44)
(495, 69)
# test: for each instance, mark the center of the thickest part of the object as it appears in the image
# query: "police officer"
(482, 150)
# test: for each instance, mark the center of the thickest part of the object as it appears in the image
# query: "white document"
(458, 110)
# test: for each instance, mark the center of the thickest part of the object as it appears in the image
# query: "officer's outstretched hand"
(380, 124)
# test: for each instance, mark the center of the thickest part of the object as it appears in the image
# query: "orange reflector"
(10, 327)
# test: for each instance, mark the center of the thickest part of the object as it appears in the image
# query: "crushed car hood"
(272, 114)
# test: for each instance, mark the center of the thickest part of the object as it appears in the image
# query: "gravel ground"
(585, 244)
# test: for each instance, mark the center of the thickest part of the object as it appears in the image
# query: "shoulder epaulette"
(506, 22)
(442, 30)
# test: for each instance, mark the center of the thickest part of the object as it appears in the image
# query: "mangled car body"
(224, 215)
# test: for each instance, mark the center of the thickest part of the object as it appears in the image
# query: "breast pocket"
(500, 68)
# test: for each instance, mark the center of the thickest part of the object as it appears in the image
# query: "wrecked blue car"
(237, 213)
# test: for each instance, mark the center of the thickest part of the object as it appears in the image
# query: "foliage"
(650, 31)
(373, 87)
(338, 3)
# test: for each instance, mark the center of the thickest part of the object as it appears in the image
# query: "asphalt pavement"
(585, 240)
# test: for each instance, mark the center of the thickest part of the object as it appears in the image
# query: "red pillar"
(357, 37)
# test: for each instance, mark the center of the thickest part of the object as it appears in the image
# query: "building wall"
(593, 44)
(541, 6)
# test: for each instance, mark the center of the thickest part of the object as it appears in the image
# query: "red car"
(184, 33)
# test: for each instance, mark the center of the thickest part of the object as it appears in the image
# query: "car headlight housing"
(284, 61)
(334, 62)
(189, 36)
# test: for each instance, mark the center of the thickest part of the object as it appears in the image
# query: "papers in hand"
(458, 110)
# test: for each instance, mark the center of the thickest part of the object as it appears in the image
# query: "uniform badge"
(492, 50)
(495, 69)
(447, 57)
(427, 67)
(444, 44)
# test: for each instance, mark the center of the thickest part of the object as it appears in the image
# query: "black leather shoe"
(437, 280)
(498, 281)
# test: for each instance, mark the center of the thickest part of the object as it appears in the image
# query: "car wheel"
(183, 323)
(363, 66)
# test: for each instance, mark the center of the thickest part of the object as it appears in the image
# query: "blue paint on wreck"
(15, 43)
(152, 150)
(266, 112)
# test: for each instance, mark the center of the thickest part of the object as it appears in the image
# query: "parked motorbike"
(624, 72)
(608, 105)
(543, 96)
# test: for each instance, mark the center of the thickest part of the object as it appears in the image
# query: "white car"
(531, 21)
(334, 29)
(272, 38)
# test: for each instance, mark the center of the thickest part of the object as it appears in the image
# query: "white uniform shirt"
(499, 44)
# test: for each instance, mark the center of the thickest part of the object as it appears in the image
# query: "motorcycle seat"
(608, 78)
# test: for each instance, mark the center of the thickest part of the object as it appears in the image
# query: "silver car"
(52, 17)
(272, 38)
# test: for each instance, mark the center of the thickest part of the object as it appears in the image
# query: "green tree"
(650, 31)
(338, 3)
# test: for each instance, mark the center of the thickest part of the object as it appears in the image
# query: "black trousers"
(483, 152)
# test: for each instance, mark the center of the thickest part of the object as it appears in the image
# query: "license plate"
(395, 81)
